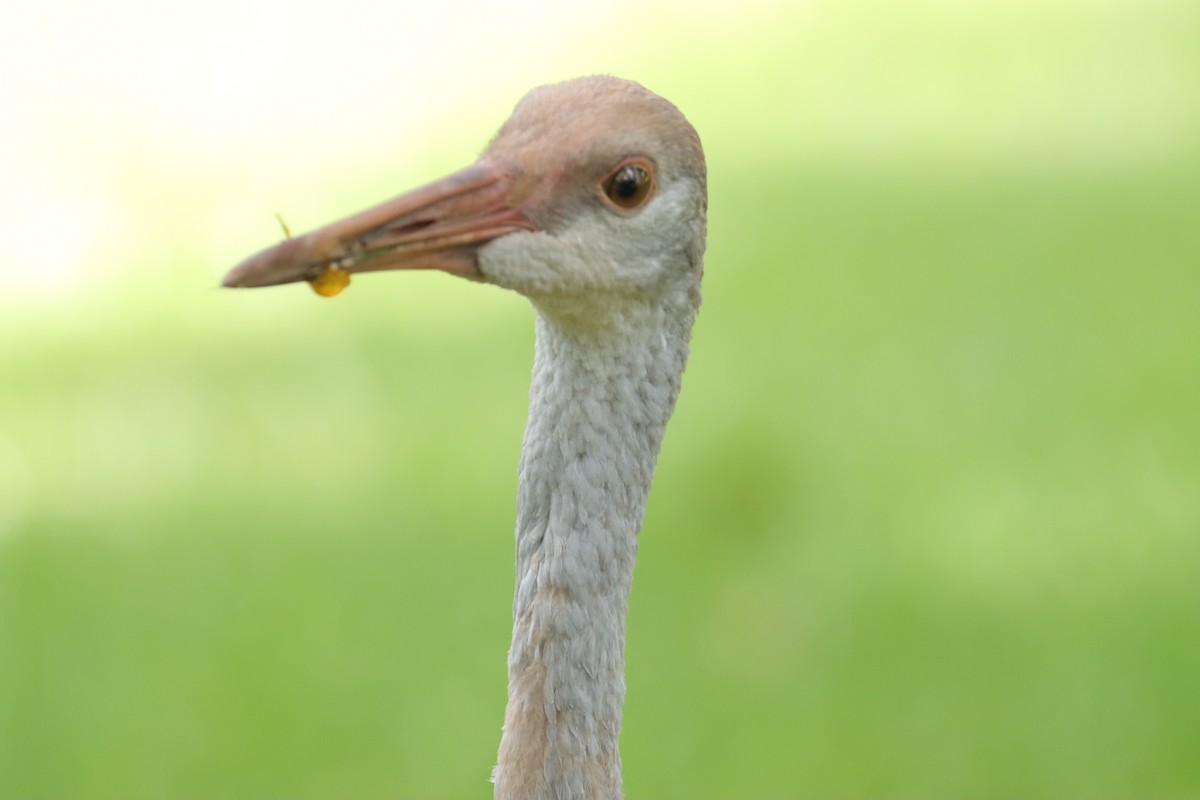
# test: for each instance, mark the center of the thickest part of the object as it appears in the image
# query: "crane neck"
(599, 403)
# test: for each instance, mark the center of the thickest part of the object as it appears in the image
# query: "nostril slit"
(411, 227)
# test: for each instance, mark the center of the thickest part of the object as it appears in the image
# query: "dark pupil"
(627, 183)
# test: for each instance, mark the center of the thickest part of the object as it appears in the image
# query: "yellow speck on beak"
(330, 282)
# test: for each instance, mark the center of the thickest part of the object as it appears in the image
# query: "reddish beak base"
(438, 226)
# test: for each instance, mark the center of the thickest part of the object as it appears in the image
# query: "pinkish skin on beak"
(438, 226)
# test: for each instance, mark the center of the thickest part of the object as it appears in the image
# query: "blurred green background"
(927, 520)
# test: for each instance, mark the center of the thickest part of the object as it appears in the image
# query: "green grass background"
(926, 523)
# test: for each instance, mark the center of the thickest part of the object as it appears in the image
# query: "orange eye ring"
(630, 184)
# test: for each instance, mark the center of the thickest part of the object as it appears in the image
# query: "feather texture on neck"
(601, 396)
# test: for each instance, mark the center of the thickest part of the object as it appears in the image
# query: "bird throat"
(599, 404)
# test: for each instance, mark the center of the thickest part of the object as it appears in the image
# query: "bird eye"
(630, 185)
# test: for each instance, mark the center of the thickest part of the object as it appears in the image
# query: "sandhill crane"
(591, 201)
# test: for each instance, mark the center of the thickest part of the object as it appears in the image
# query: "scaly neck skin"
(599, 403)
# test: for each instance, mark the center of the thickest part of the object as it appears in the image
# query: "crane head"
(595, 187)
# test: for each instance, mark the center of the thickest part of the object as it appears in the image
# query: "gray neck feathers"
(600, 400)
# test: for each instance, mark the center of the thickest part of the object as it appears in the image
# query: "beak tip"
(236, 278)
(267, 268)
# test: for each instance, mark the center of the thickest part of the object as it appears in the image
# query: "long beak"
(439, 226)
